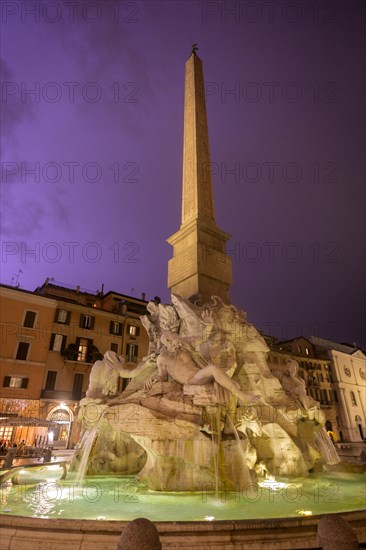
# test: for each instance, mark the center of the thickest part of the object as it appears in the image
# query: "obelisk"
(200, 267)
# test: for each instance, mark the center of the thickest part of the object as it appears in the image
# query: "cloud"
(27, 214)
(13, 111)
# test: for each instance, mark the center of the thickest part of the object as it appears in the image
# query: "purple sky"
(285, 90)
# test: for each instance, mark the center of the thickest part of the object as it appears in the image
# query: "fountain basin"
(274, 534)
(104, 505)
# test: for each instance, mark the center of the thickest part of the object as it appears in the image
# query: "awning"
(25, 421)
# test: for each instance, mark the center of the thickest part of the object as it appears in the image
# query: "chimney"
(143, 296)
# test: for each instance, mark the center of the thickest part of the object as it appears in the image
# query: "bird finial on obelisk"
(194, 47)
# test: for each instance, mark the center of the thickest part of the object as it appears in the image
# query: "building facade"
(335, 376)
(348, 366)
(50, 339)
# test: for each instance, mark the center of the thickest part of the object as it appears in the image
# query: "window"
(132, 352)
(335, 395)
(63, 316)
(15, 382)
(115, 328)
(29, 319)
(22, 351)
(133, 330)
(315, 394)
(50, 380)
(122, 384)
(77, 386)
(82, 349)
(320, 377)
(6, 433)
(58, 342)
(353, 399)
(324, 397)
(87, 321)
(114, 347)
(307, 351)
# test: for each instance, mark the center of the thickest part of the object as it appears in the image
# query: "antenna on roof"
(15, 279)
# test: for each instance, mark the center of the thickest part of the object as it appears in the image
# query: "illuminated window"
(82, 349)
(133, 330)
(5, 433)
(307, 351)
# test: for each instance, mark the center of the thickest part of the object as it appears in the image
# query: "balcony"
(327, 404)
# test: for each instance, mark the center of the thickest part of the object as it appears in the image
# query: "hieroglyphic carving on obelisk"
(199, 266)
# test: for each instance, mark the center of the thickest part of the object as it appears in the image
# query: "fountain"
(205, 439)
(201, 395)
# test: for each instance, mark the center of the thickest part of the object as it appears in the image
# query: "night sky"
(92, 158)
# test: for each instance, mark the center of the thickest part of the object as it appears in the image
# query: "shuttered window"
(51, 380)
(58, 342)
(87, 321)
(15, 382)
(29, 319)
(63, 316)
(22, 351)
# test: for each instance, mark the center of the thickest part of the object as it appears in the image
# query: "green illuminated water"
(41, 494)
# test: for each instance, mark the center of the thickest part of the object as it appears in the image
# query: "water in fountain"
(86, 446)
(245, 469)
(215, 438)
(326, 447)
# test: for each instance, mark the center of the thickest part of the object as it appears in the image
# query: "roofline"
(96, 295)
(294, 340)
